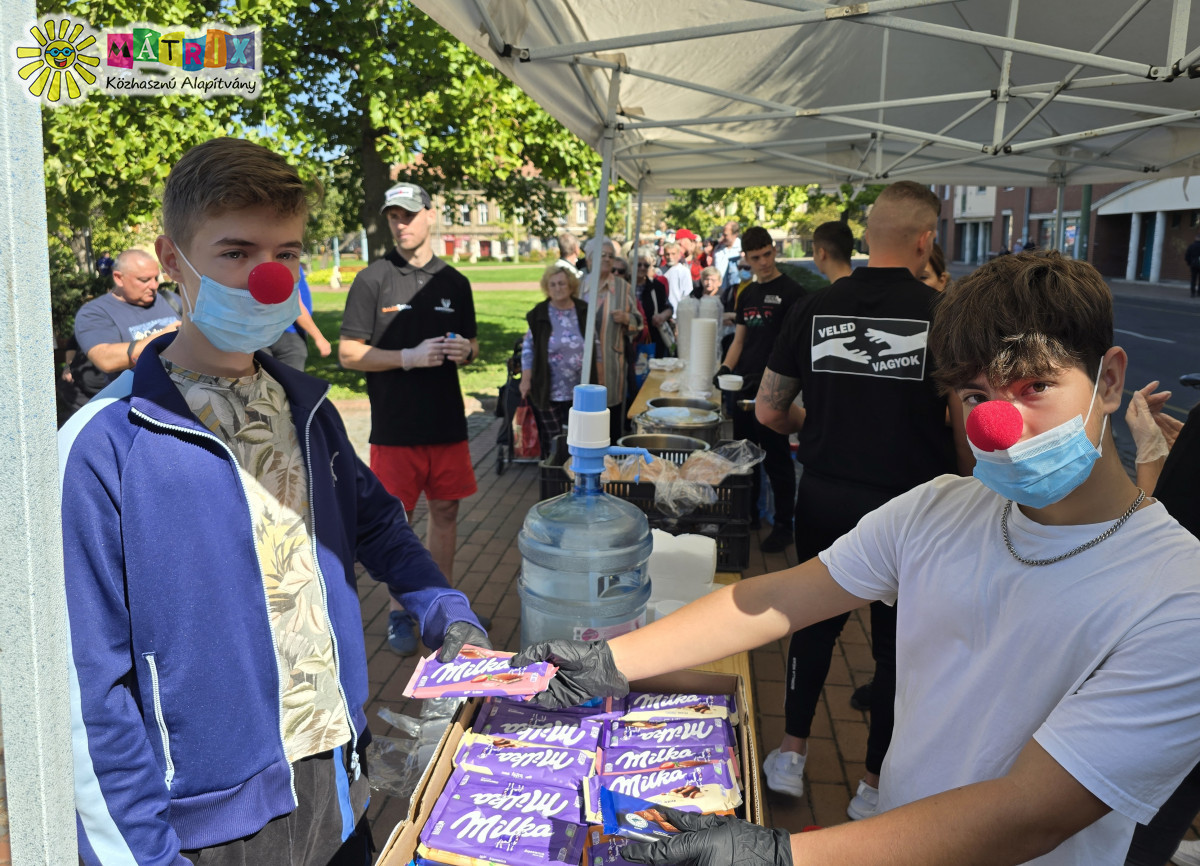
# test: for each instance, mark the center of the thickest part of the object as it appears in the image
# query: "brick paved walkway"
(486, 568)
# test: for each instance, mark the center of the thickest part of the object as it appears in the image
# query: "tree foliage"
(797, 210)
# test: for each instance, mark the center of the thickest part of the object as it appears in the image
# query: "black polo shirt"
(394, 305)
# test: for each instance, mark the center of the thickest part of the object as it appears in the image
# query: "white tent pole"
(593, 275)
(1027, 146)
(494, 37)
(1005, 75)
(637, 233)
(1090, 82)
(665, 149)
(1060, 220)
(1112, 33)
(878, 141)
(752, 25)
(1113, 105)
(1181, 12)
(966, 115)
(33, 606)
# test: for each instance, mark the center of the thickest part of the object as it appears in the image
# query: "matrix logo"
(59, 59)
(141, 60)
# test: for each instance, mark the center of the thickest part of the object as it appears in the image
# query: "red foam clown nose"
(270, 283)
(994, 425)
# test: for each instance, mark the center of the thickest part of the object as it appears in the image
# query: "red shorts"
(438, 471)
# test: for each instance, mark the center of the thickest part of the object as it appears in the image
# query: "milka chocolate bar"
(498, 756)
(652, 705)
(626, 759)
(528, 724)
(604, 849)
(634, 818)
(477, 672)
(481, 819)
(702, 788)
(666, 732)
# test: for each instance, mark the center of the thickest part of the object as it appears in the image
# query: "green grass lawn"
(500, 317)
(482, 272)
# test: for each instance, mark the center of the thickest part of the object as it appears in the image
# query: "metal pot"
(658, 442)
(684, 402)
(700, 424)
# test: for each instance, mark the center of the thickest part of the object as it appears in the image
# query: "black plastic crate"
(733, 494)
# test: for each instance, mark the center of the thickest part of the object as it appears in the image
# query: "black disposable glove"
(458, 633)
(585, 671)
(713, 840)
(721, 371)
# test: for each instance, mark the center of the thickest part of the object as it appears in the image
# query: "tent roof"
(773, 92)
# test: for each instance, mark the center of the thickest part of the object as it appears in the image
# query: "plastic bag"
(396, 763)
(526, 444)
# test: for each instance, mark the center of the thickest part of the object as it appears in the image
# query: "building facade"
(1135, 231)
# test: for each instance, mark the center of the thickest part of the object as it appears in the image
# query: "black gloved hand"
(585, 671)
(721, 371)
(458, 633)
(714, 840)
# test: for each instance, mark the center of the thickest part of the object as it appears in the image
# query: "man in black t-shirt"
(760, 312)
(873, 426)
(409, 325)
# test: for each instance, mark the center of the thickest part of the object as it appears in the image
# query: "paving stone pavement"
(486, 568)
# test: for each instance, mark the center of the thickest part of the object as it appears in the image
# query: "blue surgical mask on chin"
(233, 321)
(1045, 468)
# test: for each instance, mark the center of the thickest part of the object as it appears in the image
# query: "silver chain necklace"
(1080, 549)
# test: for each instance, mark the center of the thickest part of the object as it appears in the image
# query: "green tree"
(382, 85)
(706, 210)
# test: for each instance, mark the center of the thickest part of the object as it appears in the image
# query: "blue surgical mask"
(233, 321)
(745, 274)
(1044, 468)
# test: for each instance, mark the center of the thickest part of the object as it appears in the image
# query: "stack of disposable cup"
(681, 568)
(702, 359)
(712, 308)
(686, 312)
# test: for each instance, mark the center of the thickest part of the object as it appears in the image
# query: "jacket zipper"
(266, 601)
(312, 521)
(162, 722)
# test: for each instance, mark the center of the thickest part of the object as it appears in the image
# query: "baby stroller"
(506, 407)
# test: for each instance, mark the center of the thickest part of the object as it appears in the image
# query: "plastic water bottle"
(584, 554)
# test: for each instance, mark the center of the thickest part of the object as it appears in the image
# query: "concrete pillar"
(1156, 253)
(981, 241)
(35, 696)
(1135, 239)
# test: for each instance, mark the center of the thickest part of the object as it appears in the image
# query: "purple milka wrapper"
(702, 788)
(504, 821)
(498, 756)
(668, 732)
(476, 673)
(633, 759)
(653, 705)
(604, 850)
(530, 725)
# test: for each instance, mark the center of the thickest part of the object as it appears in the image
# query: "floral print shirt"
(251, 415)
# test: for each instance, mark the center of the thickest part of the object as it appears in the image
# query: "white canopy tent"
(790, 92)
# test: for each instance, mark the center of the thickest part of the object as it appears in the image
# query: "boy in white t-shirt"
(1047, 646)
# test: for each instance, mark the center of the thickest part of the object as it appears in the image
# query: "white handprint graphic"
(840, 349)
(895, 344)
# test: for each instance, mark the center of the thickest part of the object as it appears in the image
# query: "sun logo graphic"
(60, 62)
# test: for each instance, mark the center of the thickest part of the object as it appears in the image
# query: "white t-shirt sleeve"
(1129, 732)
(679, 285)
(866, 561)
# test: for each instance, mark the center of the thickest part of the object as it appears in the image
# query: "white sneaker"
(865, 803)
(1187, 854)
(785, 772)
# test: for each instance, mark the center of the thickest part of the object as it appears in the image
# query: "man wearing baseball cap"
(409, 325)
(689, 243)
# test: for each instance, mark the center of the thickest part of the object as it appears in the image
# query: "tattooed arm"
(774, 407)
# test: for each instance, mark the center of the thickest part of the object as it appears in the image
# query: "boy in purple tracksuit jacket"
(213, 510)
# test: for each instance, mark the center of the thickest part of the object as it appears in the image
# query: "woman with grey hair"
(652, 292)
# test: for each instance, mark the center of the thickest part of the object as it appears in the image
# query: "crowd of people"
(1034, 610)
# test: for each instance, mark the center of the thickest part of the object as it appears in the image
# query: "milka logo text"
(516, 758)
(643, 759)
(454, 672)
(483, 828)
(658, 702)
(671, 733)
(639, 784)
(555, 733)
